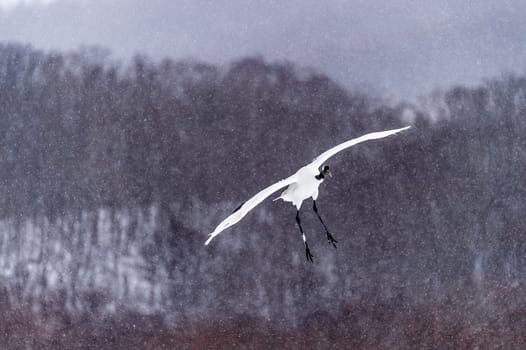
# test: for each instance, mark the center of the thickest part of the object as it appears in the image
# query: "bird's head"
(326, 171)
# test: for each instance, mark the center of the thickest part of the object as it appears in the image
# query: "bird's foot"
(331, 239)
(308, 254)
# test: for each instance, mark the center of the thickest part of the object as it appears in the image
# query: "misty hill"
(112, 175)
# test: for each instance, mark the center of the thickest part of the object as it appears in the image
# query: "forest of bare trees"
(112, 175)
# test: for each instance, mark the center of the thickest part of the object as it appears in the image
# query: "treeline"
(417, 215)
(79, 131)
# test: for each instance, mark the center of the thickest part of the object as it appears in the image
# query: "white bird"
(302, 185)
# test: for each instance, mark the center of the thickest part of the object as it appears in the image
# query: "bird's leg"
(307, 251)
(330, 238)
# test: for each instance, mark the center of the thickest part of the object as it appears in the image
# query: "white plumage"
(302, 185)
(305, 185)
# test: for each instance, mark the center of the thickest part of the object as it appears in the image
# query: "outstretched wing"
(244, 208)
(322, 158)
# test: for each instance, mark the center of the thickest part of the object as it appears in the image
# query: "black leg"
(330, 238)
(307, 250)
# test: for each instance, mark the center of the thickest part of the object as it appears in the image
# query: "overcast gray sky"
(400, 48)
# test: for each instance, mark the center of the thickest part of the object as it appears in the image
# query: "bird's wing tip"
(395, 131)
(402, 129)
(209, 239)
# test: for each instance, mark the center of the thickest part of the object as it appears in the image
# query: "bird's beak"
(329, 172)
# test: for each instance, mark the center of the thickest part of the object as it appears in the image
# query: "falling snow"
(115, 167)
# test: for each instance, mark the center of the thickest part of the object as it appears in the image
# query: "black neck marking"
(320, 176)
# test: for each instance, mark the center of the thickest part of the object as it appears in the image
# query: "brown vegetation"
(464, 319)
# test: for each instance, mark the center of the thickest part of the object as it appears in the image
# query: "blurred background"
(130, 129)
